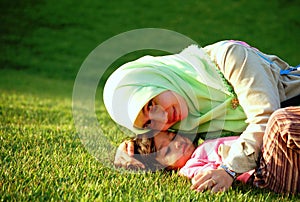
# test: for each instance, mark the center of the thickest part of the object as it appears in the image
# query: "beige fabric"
(223, 151)
(260, 90)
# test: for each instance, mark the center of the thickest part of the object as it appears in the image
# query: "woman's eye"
(147, 124)
(150, 105)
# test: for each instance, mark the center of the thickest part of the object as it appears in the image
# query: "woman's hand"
(217, 180)
(124, 157)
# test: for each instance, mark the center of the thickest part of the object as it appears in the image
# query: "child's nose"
(177, 144)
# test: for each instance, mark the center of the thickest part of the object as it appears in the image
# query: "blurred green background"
(43, 45)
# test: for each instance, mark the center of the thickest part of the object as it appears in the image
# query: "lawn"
(43, 45)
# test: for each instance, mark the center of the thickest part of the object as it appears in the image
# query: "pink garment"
(206, 158)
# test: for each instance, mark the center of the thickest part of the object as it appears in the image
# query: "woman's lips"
(173, 116)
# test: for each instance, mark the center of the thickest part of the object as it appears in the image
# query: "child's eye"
(172, 136)
(167, 151)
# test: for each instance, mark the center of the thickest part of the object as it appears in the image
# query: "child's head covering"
(190, 74)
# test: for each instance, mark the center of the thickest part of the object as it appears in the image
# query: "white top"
(259, 87)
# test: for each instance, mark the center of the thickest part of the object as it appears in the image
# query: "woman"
(227, 88)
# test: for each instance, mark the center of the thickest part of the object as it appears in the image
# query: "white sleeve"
(256, 88)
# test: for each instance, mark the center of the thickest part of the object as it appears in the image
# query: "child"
(164, 150)
(170, 151)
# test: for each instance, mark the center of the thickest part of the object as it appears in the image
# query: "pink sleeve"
(194, 166)
(205, 157)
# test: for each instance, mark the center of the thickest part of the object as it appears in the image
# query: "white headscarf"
(191, 74)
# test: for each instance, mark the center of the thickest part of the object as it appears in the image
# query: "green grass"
(42, 158)
(44, 43)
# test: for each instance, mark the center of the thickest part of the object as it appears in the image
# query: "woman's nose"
(157, 113)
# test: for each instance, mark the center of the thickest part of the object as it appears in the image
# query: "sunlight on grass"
(43, 158)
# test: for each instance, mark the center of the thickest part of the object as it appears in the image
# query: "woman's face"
(162, 112)
(173, 150)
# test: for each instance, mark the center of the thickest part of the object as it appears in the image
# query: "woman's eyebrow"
(144, 113)
(141, 124)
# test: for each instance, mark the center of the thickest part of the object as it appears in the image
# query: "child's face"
(173, 150)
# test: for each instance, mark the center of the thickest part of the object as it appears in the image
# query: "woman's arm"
(255, 84)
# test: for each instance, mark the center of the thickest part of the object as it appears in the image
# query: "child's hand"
(215, 180)
(124, 157)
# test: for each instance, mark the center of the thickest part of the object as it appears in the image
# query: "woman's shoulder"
(224, 45)
(220, 51)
